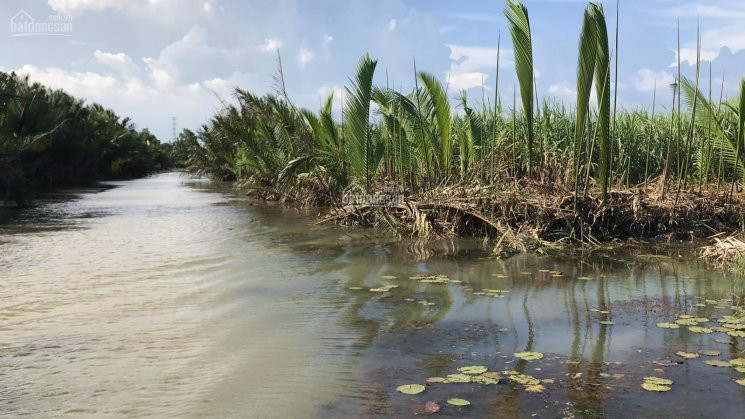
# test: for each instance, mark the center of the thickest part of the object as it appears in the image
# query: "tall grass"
(418, 140)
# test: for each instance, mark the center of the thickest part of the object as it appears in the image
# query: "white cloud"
(688, 55)
(465, 81)
(469, 58)
(86, 84)
(646, 78)
(327, 39)
(392, 25)
(304, 57)
(120, 62)
(270, 45)
(562, 89)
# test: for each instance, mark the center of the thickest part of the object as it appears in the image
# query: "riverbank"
(529, 215)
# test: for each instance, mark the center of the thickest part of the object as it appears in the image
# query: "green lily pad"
(658, 380)
(710, 352)
(525, 380)
(699, 329)
(737, 362)
(410, 388)
(655, 387)
(388, 277)
(458, 378)
(607, 322)
(474, 370)
(686, 322)
(480, 379)
(740, 369)
(355, 288)
(436, 380)
(537, 388)
(741, 382)
(717, 363)
(548, 381)
(459, 402)
(529, 356)
(737, 333)
(668, 325)
(685, 316)
(686, 355)
(585, 278)
(493, 375)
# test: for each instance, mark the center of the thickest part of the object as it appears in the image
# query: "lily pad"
(655, 387)
(459, 402)
(388, 277)
(585, 278)
(548, 381)
(699, 329)
(737, 362)
(710, 352)
(529, 356)
(607, 322)
(458, 378)
(685, 316)
(686, 355)
(737, 333)
(493, 375)
(537, 388)
(481, 379)
(525, 380)
(658, 380)
(436, 380)
(668, 325)
(718, 363)
(740, 369)
(410, 388)
(686, 322)
(474, 370)
(741, 382)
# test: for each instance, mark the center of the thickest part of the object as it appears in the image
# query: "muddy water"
(166, 297)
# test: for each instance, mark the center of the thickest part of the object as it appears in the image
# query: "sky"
(157, 59)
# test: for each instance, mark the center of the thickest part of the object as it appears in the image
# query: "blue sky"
(154, 59)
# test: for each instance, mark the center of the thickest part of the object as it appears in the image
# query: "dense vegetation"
(50, 139)
(416, 140)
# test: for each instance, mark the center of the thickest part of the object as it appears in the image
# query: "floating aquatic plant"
(657, 384)
(665, 325)
(458, 378)
(686, 355)
(529, 356)
(710, 352)
(717, 363)
(699, 329)
(459, 402)
(411, 388)
(473, 370)
(436, 380)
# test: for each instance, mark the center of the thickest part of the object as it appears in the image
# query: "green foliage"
(517, 15)
(49, 138)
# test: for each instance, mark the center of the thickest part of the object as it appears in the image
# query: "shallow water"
(169, 297)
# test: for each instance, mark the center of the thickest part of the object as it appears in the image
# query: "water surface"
(167, 296)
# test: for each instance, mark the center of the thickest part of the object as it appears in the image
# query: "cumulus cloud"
(119, 61)
(465, 81)
(270, 45)
(646, 79)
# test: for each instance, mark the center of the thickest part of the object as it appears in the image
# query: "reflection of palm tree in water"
(584, 390)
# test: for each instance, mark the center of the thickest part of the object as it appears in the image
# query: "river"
(168, 296)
